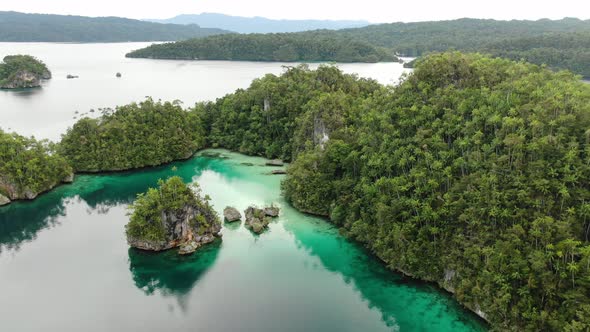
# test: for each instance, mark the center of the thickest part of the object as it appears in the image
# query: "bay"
(47, 112)
(65, 265)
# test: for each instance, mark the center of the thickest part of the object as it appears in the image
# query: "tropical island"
(22, 71)
(171, 216)
(472, 173)
(284, 47)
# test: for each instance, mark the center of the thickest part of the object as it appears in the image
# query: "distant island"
(285, 47)
(22, 71)
(559, 44)
(22, 27)
(259, 24)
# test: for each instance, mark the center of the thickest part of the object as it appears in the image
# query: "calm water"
(48, 111)
(65, 266)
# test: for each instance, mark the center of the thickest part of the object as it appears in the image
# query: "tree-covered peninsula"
(137, 135)
(560, 44)
(29, 167)
(473, 173)
(286, 47)
(22, 71)
(170, 216)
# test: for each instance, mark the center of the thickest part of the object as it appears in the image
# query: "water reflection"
(169, 273)
(389, 292)
(22, 220)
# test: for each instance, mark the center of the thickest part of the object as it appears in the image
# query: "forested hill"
(21, 27)
(414, 39)
(561, 44)
(311, 46)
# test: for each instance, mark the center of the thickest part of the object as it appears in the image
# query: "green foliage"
(29, 165)
(136, 135)
(13, 64)
(287, 47)
(561, 44)
(474, 167)
(171, 195)
(263, 119)
(19, 27)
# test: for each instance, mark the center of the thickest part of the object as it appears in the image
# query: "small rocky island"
(231, 214)
(257, 220)
(22, 71)
(172, 216)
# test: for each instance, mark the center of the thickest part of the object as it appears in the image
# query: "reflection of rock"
(257, 220)
(231, 214)
(274, 162)
(169, 273)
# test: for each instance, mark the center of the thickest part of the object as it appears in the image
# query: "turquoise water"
(65, 265)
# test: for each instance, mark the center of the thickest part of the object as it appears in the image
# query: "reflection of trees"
(392, 294)
(20, 222)
(168, 272)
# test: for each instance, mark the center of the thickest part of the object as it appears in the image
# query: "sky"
(376, 11)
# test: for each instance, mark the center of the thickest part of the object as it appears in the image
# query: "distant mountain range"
(258, 24)
(21, 27)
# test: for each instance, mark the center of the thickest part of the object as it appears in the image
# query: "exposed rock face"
(4, 200)
(271, 211)
(275, 162)
(183, 229)
(69, 178)
(231, 214)
(257, 220)
(15, 193)
(23, 79)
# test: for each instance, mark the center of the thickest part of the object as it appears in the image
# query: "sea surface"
(65, 265)
(48, 111)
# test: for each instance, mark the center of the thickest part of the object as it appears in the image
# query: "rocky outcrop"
(22, 79)
(4, 200)
(278, 172)
(275, 162)
(271, 211)
(22, 71)
(187, 228)
(257, 220)
(13, 192)
(69, 178)
(231, 214)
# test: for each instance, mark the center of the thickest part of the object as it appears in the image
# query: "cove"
(65, 265)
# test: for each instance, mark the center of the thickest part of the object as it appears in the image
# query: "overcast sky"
(371, 10)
